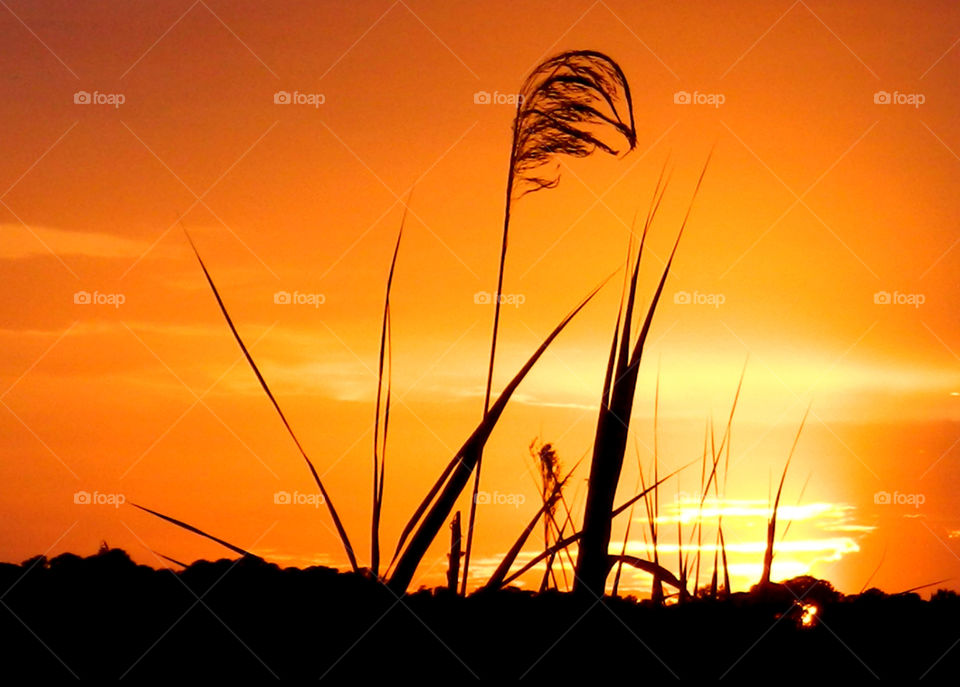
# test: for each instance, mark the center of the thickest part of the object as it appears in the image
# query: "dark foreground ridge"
(106, 617)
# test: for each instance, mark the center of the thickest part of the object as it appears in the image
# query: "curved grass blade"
(613, 425)
(195, 530)
(424, 504)
(650, 567)
(379, 462)
(263, 383)
(772, 524)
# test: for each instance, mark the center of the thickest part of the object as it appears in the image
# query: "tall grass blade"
(626, 538)
(866, 584)
(344, 539)
(195, 530)
(921, 586)
(613, 426)
(380, 446)
(422, 507)
(772, 524)
(652, 568)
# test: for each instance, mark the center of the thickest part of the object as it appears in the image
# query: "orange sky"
(818, 198)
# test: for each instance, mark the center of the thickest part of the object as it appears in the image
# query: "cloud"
(20, 242)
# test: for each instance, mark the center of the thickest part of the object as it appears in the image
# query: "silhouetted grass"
(573, 104)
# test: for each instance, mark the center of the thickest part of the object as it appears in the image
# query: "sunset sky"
(822, 250)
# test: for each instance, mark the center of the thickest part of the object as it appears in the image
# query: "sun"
(808, 617)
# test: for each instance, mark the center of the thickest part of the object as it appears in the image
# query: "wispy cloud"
(19, 243)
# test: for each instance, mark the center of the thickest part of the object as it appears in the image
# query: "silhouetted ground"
(106, 617)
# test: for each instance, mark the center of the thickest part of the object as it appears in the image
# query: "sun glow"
(808, 617)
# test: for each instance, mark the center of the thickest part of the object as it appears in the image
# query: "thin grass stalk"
(172, 560)
(921, 586)
(380, 445)
(568, 521)
(195, 530)
(713, 577)
(656, 588)
(726, 569)
(699, 526)
(344, 539)
(546, 464)
(422, 507)
(493, 344)
(772, 524)
(803, 490)
(453, 567)
(559, 102)
(681, 565)
(866, 584)
(610, 442)
(726, 443)
(626, 538)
